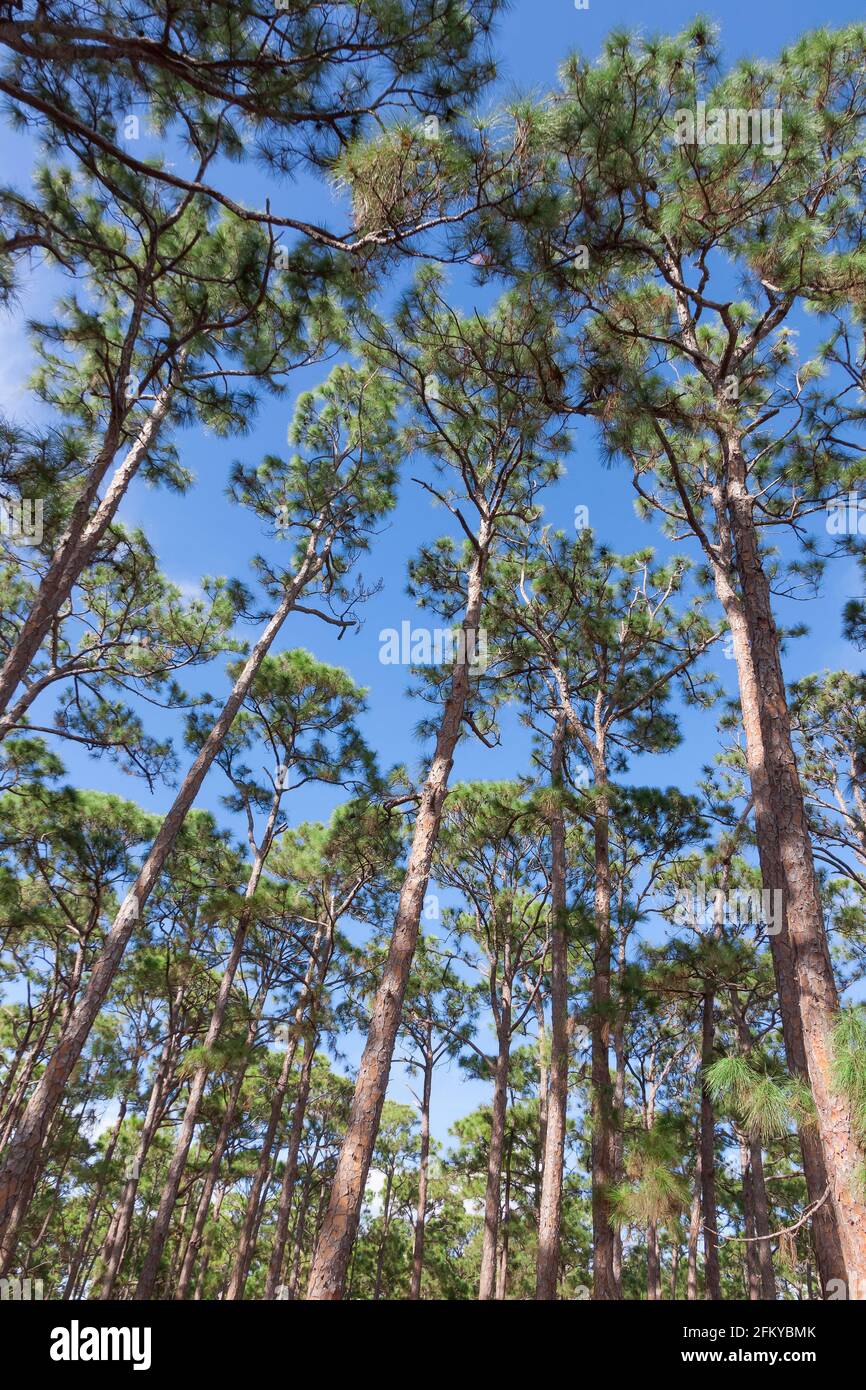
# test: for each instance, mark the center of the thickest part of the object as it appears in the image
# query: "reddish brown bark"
(336, 1238)
(22, 1162)
(807, 992)
(76, 549)
(550, 1205)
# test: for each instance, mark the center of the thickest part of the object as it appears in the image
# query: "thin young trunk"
(386, 1221)
(694, 1225)
(204, 1201)
(712, 1275)
(423, 1165)
(486, 1288)
(243, 1254)
(168, 1197)
(804, 977)
(290, 1172)
(76, 549)
(505, 1229)
(603, 1119)
(550, 1206)
(94, 1203)
(118, 1232)
(762, 1221)
(653, 1263)
(22, 1161)
(337, 1236)
(300, 1231)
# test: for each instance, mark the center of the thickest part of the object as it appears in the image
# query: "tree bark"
(492, 1196)
(423, 1165)
(807, 992)
(22, 1161)
(550, 1207)
(603, 1119)
(337, 1236)
(76, 549)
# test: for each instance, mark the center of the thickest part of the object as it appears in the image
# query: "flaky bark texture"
(807, 991)
(550, 1206)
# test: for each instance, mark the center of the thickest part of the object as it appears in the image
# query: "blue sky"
(204, 533)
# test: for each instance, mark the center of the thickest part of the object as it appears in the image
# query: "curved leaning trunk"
(550, 1205)
(337, 1236)
(807, 992)
(22, 1160)
(75, 551)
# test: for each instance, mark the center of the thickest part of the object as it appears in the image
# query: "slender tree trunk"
(300, 1231)
(118, 1232)
(168, 1196)
(762, 1221)
(694, 1224)
(807, 990)
(603, 1119)
(337, 1236)
(493, 1194)
(712, 1276)
(653, 1263)
(505, 1229)
(243, 1255)
(75, 551)
(386, 1222)
(423, 1165)
(290, 1172)
(550, 1207)
(203, 1208)
(21, 1166)
(94, 1203)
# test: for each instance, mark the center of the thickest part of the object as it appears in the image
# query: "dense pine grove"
(650, 988)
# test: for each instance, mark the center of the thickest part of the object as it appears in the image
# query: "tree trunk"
(337, 1236)
(386, 1221)
(168, 1196)
(712, 1275)
(492, 1194)
(807, 993)
(694, 1225)
(550, 1207)
(76, 549)
(290, 1172)
(603, 1120)
(204, 1201)
(93, 1206)
(244, 1252)
(653, 1263)
(22, 1161)
(423, 1165)
(118, 1232)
